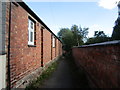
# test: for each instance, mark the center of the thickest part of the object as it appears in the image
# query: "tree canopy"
(116, 30)
(99, 36)
(76, 36)
(116, 33)
(72, 37)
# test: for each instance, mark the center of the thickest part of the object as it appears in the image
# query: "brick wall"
(57, 47)
(24, 59)
(101, 63)
(46, 46)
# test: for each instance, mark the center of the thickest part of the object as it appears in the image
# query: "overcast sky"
(95, 14)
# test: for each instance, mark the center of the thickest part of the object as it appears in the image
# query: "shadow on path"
(66, 75)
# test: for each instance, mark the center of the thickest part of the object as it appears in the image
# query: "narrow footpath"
(66, 76)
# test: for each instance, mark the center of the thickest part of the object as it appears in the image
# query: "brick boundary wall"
(101, 63)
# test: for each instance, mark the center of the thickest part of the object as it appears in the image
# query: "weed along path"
(61, 78)
(66, 76)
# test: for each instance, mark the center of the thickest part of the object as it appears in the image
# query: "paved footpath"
(61, 78)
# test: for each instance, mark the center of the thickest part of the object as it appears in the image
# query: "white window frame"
(31, 29)
(53, 42)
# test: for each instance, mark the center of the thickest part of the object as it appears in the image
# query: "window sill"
(31, 45)
(3, 53)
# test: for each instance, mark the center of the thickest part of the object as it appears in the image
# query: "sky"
(94, 14)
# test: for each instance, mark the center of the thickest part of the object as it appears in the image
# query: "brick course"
(101, 63)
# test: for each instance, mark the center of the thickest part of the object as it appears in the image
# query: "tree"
(62, 32)
(116, 33)
(66, 36)
(79, 34)
(76, 36)
(72, 37)
(116, 30)
(84, 33)
(68, 40)
(99, 36)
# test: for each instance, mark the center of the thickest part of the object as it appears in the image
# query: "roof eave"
(22, 4)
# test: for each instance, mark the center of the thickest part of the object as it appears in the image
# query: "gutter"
(9, 32)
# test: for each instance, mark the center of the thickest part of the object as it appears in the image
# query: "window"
(31, 30)
(53, 42)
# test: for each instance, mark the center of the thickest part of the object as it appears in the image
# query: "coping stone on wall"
(116, 42)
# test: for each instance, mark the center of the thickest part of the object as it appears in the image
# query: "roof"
(22, 4)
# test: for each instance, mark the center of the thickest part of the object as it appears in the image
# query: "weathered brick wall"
(101, 63)
(57, 50)
(57, 47)
(46, 46)
(25, 59)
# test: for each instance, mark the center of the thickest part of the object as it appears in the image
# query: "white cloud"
(108, 4)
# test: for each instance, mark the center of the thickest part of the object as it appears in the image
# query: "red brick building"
(29, 44)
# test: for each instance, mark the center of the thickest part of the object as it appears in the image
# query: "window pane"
(31, 32)
(28, 35)
(31, 25)
(53, 42)
(31, 36)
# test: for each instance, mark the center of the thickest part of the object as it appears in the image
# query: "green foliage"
(116, 33)
(72, 37)
(99, 37)
(79, 34)
(84, 32)
(76, 36)
(68, 40)
(99, 34)
(46, 74)
(116, 30)
(62, 32)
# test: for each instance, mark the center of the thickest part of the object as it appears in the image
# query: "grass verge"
(45, 75)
